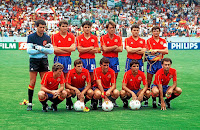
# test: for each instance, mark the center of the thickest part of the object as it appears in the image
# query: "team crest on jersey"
(131, 80)
(81, 39)
(92, 40)
(154, 44)
(44, 42)
(59, 41)
(100, 77)
(131, 42)
(49, 82)
(115, 40)
(83, 77)
(69, 39)
(58, 79)
(107, 42)
(171, 76)
(74, 77)
(109, 76)
(161, 42)
(141, 42)
(139, 78)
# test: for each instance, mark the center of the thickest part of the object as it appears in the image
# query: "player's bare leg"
(114, 95)
(149, 80)
(145, 97)
(123, 96)
(155, 93)
(170, 96)
(42, 74)
(31, 87)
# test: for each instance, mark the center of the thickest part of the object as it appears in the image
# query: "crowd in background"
(176, 18)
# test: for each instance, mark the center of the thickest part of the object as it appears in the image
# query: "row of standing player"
(87, 44)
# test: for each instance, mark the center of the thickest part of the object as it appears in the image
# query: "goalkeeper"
(39, 45)
(155, 45)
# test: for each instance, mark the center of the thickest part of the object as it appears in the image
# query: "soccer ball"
(79, 106)
(135, 104)
(107, 106)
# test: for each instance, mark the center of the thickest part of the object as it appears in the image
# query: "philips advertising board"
(184, 45)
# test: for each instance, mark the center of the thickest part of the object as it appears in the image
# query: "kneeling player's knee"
(64, 93)
(97, 94)
(178, 90)
(90, 92)
(155, 92)
(122, 93)
(116, 93)
(41, 95)
(148, 94)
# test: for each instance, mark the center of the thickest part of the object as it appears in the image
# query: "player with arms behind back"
(38, 47)
(155, 45)
(131, 85)
(160, 85)
(49, 87)
(75, 82)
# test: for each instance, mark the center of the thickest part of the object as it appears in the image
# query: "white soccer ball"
(135, 104)
(107, 106)
(79, 106)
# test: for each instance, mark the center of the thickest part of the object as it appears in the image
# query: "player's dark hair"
(134, 62)
(167, 60)
(155, 28)
(63, 22)
(86, 23)
(110, 23)
(104, 60)
(57, 66)
(78, 61)
(40, 21)
(135, 26)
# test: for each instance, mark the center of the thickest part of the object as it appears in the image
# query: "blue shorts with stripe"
(65, 61)
(165, 87)
(154, 67)
(89, 64)
(128, 61)
(81, 89)
(136, 91)
(114, 63)
(105, 89)
(50, 96)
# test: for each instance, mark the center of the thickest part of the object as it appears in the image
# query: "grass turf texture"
(14, 81)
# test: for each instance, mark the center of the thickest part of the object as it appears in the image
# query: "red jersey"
(105, 40)
(106, 79)
(59, 41)
(161, 78)
(50, 83)
(78, 80)
(134, 44)
(133, 83)
(83, 42)
(152, 44)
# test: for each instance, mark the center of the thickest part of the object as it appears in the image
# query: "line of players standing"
(101, 81)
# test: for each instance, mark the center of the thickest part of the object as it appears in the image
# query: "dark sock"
(172, 97)
(30, 95)
(56, 101)
(154, 98)
(44, 102)
(86, 100)
(69, 101)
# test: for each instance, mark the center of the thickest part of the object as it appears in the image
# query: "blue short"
(65, 61)
(105, 89)
(154, 68)
(89, 64)
(81, 89)
(165, 87)
(114, 63)
(50, 96)
(136, 91)
(128, 61)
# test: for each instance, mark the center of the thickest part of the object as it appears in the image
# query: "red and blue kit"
(152, 44)
(78, 80)
(59, 41)
(50, 83)
(83, 42)
(133, 83)
(106, 79)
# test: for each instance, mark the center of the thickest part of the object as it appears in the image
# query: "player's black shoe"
(146, 103)
(125, 104)
(167, 103)
(44, 108)
(115, 104)
(69, 106)
(94, 105)
(54, 107)
(100, 103)
(154, 104)
(29, 107)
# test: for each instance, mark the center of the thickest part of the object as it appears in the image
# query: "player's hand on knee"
(108, 93)
(163, 106)
(77, 92)
(169, 92)
(81, 96)
(140, 97)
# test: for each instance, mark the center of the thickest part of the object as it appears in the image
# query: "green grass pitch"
(14, 81)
